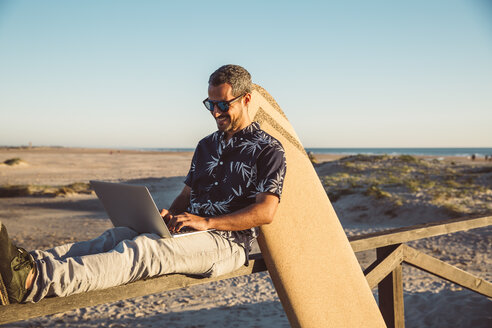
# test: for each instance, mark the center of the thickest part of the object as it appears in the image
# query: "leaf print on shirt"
(209, 187)
(216, 208)
(278, 146)
(242, 168)
(219, 149)
(250, 146)
(239, 192)
(211, 165)
(278, 182)
(263, 138)
(252, 176)
(255, 143)
(261, 186)
(194, 208)
(223, 144)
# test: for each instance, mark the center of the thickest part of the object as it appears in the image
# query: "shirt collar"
(244, 133)
(254, 126)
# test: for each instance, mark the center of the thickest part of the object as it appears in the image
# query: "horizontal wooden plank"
(406, 234)
(382, 267)
(446, 271)
(16, 312)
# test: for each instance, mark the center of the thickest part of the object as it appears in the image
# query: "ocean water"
(178, 150)
(464, 152)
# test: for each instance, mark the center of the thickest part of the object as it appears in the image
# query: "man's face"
(235, 118)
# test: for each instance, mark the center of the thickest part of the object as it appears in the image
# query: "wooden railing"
(385, 273)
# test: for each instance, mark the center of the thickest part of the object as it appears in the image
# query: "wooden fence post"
(390, 291)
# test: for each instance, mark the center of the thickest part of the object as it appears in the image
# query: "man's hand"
(177, 222)
(179, 205)
(254, 215)
(166, 216)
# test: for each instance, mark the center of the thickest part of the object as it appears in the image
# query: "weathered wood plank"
(446, 271)
(383, 267)
(16, 312)
(390, 291)
(4, 300)
(402, 235)
(398, 297)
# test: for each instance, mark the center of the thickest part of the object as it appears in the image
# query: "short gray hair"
(235, 75)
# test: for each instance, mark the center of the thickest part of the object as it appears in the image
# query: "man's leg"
(104, 243)
(146, 255)
(19, 268)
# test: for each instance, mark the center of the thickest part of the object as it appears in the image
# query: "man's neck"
(230, 134)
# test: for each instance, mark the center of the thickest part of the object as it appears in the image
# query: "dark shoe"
(15, 265)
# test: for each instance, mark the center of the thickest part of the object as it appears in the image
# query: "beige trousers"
(120, 255)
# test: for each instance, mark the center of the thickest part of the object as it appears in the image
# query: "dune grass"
(404, 179)
(13, 161)
(312, 158)
(44, 191)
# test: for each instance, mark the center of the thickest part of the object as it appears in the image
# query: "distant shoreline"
(479, 152)
(56, 149)
(435, 152)
(12, 152)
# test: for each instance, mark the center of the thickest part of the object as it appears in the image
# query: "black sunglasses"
(223, 105)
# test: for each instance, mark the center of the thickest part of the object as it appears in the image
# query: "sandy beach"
(363, 195)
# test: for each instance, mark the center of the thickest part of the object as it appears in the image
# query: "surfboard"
(314, 270)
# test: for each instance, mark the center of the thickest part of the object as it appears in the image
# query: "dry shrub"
(46, 191)
(13, 161)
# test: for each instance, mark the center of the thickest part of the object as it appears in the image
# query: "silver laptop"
(132, 206)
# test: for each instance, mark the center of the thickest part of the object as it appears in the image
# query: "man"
(233, 186)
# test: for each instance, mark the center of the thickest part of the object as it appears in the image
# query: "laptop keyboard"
(183, 230)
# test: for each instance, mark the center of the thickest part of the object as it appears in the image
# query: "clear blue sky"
(347, 73)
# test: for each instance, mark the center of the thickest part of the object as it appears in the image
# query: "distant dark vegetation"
(13, 161)
(46, 191)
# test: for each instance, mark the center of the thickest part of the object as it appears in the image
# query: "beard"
(226, 124)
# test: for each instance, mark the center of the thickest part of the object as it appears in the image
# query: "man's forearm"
(181, 203)
(253, 215)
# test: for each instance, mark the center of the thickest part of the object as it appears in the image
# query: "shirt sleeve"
(271, 168)
(189, 177)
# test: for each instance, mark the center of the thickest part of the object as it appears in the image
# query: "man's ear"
(247, 99)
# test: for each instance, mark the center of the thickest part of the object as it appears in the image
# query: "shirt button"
(221, 163)
(216, 183)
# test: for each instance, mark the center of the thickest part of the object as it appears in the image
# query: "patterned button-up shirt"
(226, 176)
